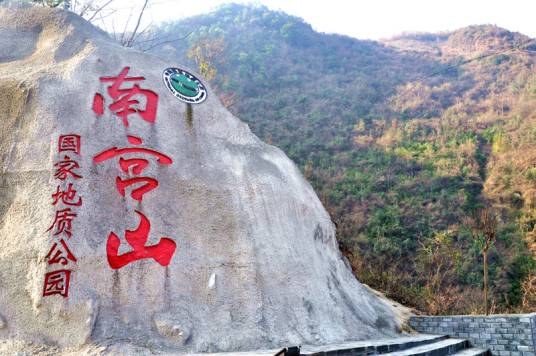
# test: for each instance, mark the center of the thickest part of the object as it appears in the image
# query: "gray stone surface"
(257, 264)
(502, 334)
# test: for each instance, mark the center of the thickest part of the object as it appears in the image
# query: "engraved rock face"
(175, 226)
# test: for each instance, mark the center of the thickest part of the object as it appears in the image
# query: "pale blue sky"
(372, 19)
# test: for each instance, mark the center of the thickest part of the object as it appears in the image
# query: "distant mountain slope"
(468, 41)
(404, 141)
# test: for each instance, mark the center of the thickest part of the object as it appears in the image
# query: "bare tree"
(143, 38)
(128, 42)
(529, 293)
(90, 9)
(485, 233)
(436, 263)
(206, 52)
(104, 14)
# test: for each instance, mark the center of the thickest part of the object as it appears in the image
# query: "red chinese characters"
(65, 199)
(126, 101)
(161, 252)
(133, 166)
(63, 222)
(57, 282)
(133, 162)
(68, 143)
(60, 253)
(66, 168)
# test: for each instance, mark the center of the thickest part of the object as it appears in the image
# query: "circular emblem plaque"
(185, 85)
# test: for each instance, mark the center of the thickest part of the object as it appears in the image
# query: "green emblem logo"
(185, 85)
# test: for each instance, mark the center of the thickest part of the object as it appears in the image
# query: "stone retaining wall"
(512, 335)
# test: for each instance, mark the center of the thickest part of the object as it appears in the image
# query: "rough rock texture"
(257, 264)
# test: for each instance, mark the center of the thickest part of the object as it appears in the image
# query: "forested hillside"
(406, 142)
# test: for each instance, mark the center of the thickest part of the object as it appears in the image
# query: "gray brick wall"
(512, 335)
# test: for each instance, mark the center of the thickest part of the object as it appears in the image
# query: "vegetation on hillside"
(405, 142)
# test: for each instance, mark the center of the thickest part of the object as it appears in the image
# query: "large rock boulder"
(206, 239)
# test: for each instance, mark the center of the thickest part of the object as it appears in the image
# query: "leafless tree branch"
(131, 40)
(153, 46)
(97, 11)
